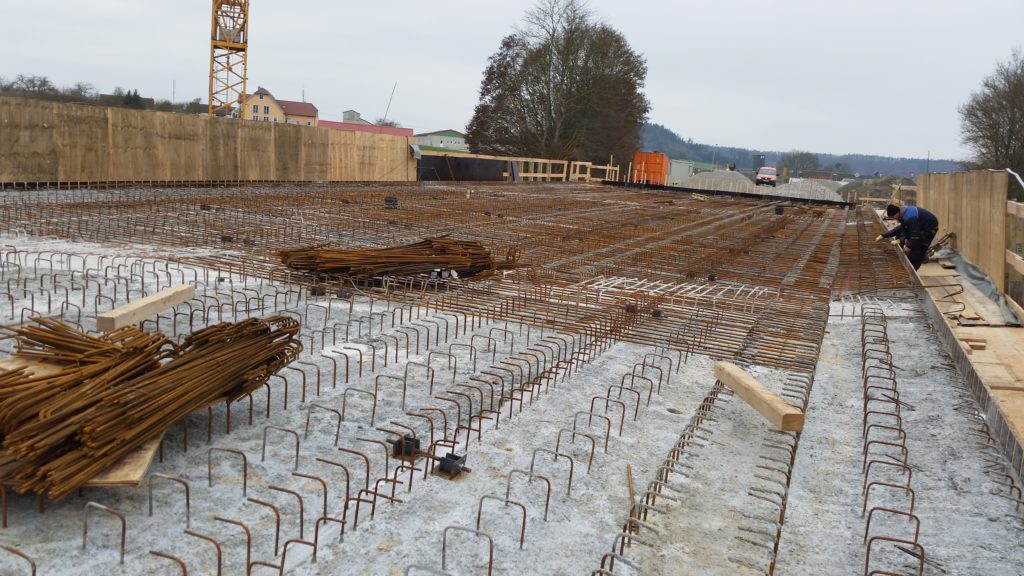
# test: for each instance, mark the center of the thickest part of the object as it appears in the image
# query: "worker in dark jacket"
(917, 227)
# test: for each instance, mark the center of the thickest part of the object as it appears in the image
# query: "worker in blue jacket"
(917, 227)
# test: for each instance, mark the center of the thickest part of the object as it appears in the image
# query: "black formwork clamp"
(405, 447)
(452, 464)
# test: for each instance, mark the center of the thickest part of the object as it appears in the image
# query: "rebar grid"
(729, 278)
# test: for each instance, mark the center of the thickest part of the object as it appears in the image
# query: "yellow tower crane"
(229, 42)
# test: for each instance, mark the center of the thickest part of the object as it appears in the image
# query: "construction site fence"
(467, 167)
(56, 142)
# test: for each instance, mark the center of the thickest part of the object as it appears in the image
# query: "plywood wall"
(972, 204)
(52, 142)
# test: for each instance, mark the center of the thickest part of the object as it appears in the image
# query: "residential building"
(445, 139)
(263, 107)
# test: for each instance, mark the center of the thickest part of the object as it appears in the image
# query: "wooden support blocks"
(974, 343)
(780, 413)
(135, 312)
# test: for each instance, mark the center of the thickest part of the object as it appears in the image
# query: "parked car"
(766, 175)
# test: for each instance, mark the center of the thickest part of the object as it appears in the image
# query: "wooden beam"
(1015, 308)
(780, 413)
(135, 312)
(1015, 261)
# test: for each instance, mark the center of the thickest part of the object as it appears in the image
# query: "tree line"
(42, 88)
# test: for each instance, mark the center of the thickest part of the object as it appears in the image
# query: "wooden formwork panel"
(55, 142)
(84, 133)
(973, 205)
(29, 140)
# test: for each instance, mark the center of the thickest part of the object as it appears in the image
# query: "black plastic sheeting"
(981, 281)
(460, 168)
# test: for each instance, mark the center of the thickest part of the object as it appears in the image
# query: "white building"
(449, 139)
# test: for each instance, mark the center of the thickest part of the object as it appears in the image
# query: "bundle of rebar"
(465, 257)
(108, 395)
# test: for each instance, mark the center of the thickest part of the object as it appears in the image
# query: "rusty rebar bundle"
(467, 258)
(109, 395)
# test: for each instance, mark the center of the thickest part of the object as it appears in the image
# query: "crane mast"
(229, 42)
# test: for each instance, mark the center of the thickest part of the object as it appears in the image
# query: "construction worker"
(917, 228)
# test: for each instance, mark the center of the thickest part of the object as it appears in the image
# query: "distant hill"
(660, 138)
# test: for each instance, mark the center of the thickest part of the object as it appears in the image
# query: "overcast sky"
(835, 76)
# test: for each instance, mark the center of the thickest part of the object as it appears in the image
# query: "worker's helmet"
(892, 210)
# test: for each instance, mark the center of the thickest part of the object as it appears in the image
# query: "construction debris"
(466, 258)
(115, 392)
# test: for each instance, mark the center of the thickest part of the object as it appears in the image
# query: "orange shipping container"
(650, 168)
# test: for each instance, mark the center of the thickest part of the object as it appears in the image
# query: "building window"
(255, 117)
(255, 109)
(275, 118)
(265, 119)
(266, 109)
(309, 123)
(261, 96)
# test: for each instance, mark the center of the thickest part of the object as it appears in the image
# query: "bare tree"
(799, 161)
(992, 121)
(80, 91)
(32, 84)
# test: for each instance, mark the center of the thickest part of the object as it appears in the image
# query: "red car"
(766, 175)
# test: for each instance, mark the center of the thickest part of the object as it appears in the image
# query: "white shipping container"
(678, 171)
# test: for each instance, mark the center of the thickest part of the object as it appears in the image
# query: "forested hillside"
(660, 138)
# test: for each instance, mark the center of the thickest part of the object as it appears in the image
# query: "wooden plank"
(934, 270)
(33, 367)
(135, 312)
(1015, 261)
(130, 470)
(780, 413)
(978, 307)
(938, 287)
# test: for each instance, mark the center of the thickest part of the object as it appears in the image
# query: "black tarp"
(460, 168)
